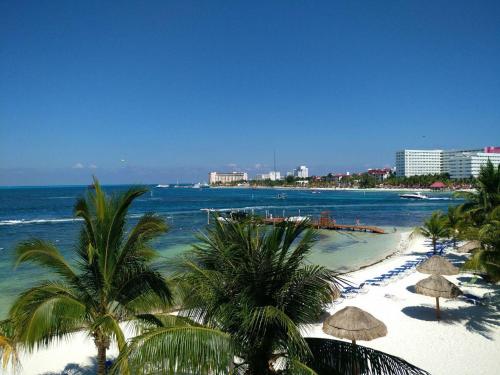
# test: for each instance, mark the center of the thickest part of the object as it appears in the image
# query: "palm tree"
(482, 222)
(487, 195)
(454, 223)
(112, 279)
(486, 260)
(8, 350)
(246, 290)
(434, 228)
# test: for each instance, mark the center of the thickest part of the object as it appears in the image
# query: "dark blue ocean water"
(46, 212)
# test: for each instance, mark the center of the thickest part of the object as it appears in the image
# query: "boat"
(200, 185)
(162, 186)
(281, 196)
(418, 195)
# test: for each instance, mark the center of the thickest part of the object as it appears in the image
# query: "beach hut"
(469, 246)
(438, 185)
(437, 265)
(437, 286)
(353, 323)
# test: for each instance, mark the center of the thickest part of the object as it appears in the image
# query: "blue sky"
(158, 91)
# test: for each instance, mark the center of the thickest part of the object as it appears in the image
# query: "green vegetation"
(111, 281)
(241, 294)
(481, 218)
(245, 291)
(435, 228)
(478, 218)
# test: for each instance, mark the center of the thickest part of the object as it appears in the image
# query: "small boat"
(162, 186)
(414, 196)
(281, 196)
(200, 185)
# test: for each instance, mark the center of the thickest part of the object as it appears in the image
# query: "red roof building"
(438, 185)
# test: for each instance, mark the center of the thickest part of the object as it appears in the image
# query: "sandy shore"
(466, 340)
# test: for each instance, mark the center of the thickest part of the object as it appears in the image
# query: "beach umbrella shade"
(437, 286)
(469, 246)
(437, 265)
(354, 324)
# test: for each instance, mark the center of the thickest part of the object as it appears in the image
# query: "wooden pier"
(325, 222)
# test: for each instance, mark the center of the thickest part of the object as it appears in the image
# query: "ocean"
(46, 212)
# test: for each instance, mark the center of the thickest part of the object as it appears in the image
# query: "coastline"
(413, 333)
(466, 331)
(384, 189)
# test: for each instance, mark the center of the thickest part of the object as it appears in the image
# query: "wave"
(38, 221)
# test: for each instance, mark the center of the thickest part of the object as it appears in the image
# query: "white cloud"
(93, 166)
(78, 166)
(258, 166)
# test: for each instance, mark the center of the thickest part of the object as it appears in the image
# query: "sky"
(160, 91)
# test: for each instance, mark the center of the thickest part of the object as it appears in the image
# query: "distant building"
(226, 178)
(301, 172)
(380, 174)
(418, 162)
(272, 175)
(457, 163)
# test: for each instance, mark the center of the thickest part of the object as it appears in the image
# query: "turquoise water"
(46, 212)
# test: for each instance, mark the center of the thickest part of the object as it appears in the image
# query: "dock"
(325, 222)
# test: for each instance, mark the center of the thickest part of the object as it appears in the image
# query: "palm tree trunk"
(102, 343)
(101, 359)
(434, 241)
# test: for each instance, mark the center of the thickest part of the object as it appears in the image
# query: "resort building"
(226, 178)
(301, 172)
(272, 175)
(457, 163)
(418, 162)
(380, 174)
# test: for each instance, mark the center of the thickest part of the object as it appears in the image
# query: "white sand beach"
(465, 342)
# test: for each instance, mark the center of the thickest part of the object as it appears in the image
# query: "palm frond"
(174, 350)
(334, 357)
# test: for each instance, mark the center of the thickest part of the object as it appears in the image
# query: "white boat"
(418, 195)
(162, 186)
(200, 185)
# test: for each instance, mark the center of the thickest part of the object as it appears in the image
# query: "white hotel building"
(226, 178)
(457, 163)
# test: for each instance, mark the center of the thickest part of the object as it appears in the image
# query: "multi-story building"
(418, 162)
(457, 163)
(301, 172)
(380, 174)
(272, 175)
(226, 178)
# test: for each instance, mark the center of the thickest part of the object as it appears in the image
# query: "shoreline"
(413, 333)
(306, 188)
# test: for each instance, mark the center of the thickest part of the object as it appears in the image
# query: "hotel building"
(301, 172)
(457, 163)
(226, 178)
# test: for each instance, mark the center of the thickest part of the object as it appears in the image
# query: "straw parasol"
(469, 246)
(437, 265)
(354, 324)
(437, 286)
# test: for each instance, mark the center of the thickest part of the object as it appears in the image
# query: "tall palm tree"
(111, 279)
(486, 259)
(246, 291)
(487, 195)
(454, 221)
(434, 228)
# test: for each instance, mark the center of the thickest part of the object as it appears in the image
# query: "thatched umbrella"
(437, 265)
(469, 246)
(437, 286)
(354, 324)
